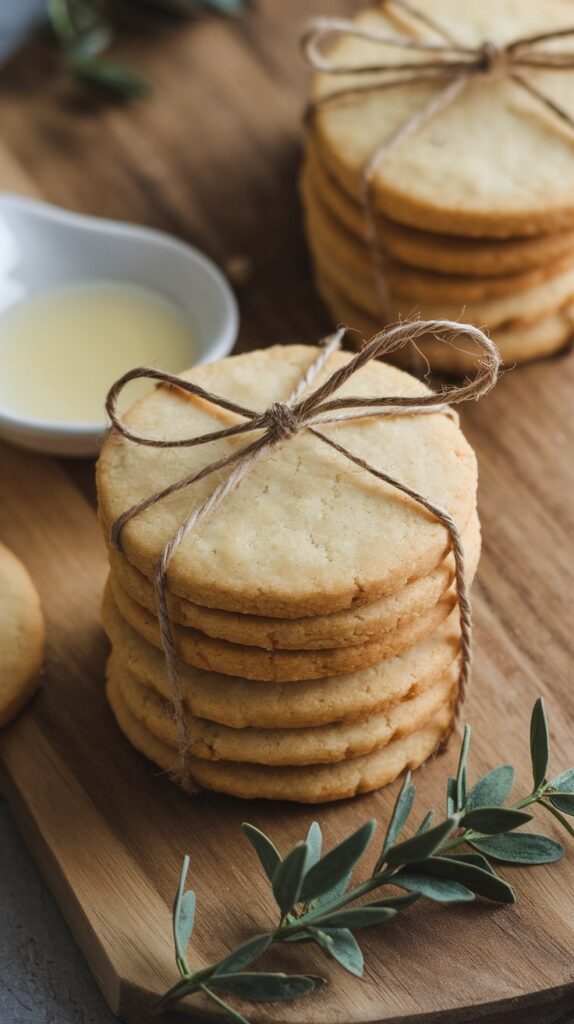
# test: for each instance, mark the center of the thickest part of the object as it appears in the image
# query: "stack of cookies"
(314, 613)
(473, 212)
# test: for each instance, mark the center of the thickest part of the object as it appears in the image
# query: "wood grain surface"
(212, 156)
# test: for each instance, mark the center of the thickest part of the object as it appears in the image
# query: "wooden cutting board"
(212, 156)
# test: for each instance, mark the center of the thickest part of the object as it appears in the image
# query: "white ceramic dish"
(44, 247)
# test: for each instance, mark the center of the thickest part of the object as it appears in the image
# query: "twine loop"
(282, 422)
(304, 410)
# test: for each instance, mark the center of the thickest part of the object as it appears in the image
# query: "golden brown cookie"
(448, 254)
(515, 344)
(306, 532)
(22, 636)
(523, 307)
(411, 283)
(340, 629)
(243, 703)
(326, 744)
(303, 784)
(194, 648)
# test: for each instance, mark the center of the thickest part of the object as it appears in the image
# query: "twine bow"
(277, 425)
(448, 62)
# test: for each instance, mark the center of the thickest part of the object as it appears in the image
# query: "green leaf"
(111, 76)
(476, 859)
(462, 770)
(269, 856)
(314, 842)
(494, 819)
(91, 43)
(421, 846)
(266, 988)
(396, 902)
(440, 889)
(399, 818)
(564, 782)
(451, 800)
(539, 743)
(521, 848)
(337, 863)
(425, 823)
(183, 914)
(564, 802)
(357, 917)
(244, 955)
(467, 872)
(493, 789)
(288, 878)
(342, 945)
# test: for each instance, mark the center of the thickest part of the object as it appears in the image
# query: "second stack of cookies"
(472, 211)
(315, 616)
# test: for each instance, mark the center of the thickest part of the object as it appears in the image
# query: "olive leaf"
(539, 743)
(525, 848)
(564, 802)
(342, 946)
(314, 842)
(425, 823)
(336, 865)
(442, 890)
(399, 818)
(288, 877)
(451, 796)
(461, 774)
(422, 845)
(84, 29)
(492, 789)
(494, 819)
(468, 871)
(266, 988)
(183, 915)
(268, 854)
(358, 917)
(564, 784)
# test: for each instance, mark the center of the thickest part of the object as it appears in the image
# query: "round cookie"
(515, 344)
(475, 168)
(413, 283)
(280, 666)
(242, 703)
(326, 744)
(521, 308)
(308, 784)
(303, 533)
(340, 629)
(22, 636)
(448, 254)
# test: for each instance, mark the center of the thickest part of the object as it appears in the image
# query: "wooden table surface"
(212, 156)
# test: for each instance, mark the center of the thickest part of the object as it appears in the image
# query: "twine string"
(303, 410)
(446, 62)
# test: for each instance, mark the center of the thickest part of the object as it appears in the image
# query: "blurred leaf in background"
(85, 29)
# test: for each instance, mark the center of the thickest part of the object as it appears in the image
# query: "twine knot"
(493, 58)
(281, 421)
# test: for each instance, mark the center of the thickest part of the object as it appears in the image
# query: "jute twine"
(278, 425)
(449, 63)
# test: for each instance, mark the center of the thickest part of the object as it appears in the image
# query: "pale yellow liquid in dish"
(61, 350)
